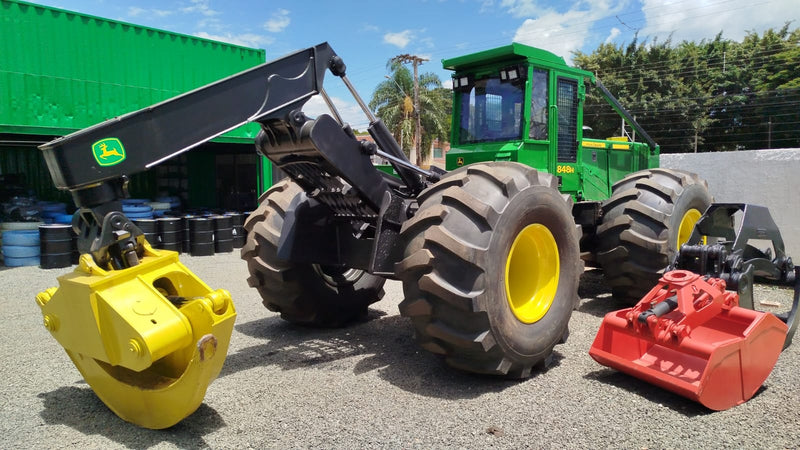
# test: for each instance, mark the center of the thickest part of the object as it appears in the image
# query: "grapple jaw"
(690, 336)
(148, 339)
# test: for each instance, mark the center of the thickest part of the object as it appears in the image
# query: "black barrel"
(57, 246)
(150, 229)
(170, 233)
(223, 234)
(201, 236)
(187, 238)
(237, 229)
(76, 255)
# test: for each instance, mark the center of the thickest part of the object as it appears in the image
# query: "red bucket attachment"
(689, 336)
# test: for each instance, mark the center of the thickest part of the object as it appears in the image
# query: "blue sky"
(368, 33)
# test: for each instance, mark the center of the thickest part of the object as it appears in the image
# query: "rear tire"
(306, 294)
(491, 268)
(649, 215)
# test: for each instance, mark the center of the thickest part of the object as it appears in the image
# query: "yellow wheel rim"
(687, 225)
(532, 271)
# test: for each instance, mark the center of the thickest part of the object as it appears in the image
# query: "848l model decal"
(565, 169)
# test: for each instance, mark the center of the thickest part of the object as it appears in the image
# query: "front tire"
(307, 294)
(491, 268)
(650, 214)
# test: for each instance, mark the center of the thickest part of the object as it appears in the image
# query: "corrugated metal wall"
(61, 71)
(27, 160)
(22, 159)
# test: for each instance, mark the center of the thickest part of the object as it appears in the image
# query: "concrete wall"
(764, 177)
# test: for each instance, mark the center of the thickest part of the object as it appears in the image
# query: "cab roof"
(509, 53)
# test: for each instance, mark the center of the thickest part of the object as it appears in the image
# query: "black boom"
(354, 212)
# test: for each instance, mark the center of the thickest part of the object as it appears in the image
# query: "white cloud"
(613, 35)
(200, 6)
(448, 83)
(521, 8)
(560, 32)
(370, 28)
(245, 39)
(550, 33)
(211, 23)
(278, 22)
(135, 11)
(400, 39)
(350, 111)
(702, 19)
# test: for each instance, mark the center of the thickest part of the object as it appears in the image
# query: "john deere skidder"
(489, 253)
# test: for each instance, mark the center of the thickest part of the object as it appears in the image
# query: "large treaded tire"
(457, 247)
(639, 234)
(305, 294)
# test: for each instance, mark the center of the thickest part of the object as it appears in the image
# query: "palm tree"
(393, 102)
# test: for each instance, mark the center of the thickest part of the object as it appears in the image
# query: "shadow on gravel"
(79, 408)
(596, 296)
(649, 392)
(385, 344)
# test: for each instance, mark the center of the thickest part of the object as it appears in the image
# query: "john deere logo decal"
(460, 161)
(108, 151)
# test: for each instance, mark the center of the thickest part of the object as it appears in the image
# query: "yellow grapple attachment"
(148, 339)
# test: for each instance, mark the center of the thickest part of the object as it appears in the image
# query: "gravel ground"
(370, 386)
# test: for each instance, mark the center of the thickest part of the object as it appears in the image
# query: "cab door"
(564, 118)
(536, 150)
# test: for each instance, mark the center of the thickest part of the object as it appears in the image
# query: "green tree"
(393, 102)
(709, 96)
(652, 81)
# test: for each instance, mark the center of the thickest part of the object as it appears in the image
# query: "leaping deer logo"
(108, 152)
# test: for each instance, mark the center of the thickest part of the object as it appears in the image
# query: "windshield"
(491, 110)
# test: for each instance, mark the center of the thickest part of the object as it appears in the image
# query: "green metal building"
(61, 71)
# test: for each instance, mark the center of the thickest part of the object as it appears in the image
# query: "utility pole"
(415, 62)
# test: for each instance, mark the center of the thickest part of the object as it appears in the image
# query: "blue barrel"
(137, 211)
(21, 248)
(50, 207)
(134, 201)
(63, 218)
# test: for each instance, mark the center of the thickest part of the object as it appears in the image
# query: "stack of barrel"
(137, 208)
(20, 244)
(57, 241)
(197, 235)
(49, 243)
(52, 243)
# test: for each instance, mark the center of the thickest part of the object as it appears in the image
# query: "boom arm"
(93, 163)
(156, 133)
